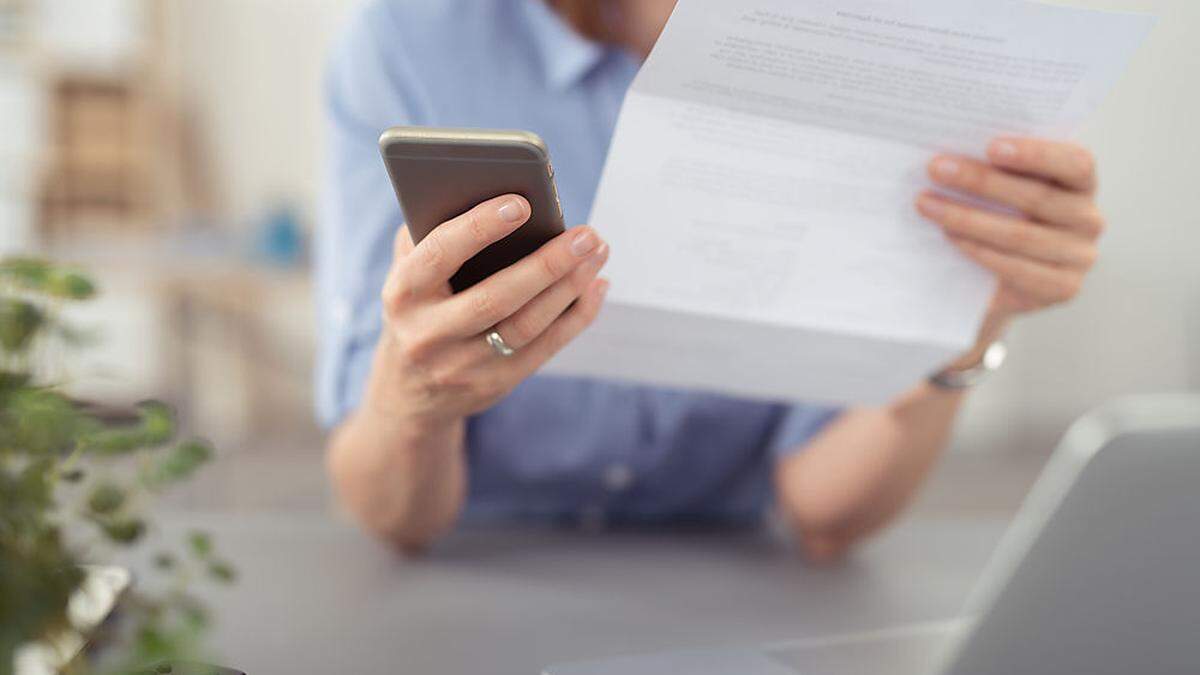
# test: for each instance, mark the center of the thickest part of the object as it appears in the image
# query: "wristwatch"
(965, 378)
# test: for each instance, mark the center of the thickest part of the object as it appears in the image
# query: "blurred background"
(174, 149)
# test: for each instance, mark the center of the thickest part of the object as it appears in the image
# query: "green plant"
(75, 487)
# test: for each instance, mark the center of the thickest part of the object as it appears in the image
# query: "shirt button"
(618, 477)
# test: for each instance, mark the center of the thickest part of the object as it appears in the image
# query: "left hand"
(1042, 253)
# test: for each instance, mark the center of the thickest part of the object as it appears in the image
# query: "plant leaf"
(200, 543)
(29, 273)
(40, 422)
(157, 423)
(19, 323)
(37, 577)
(222, 572)
(126, 531)
(106, 499)
(24, 497)
(114, 441)
(155, 427)
(41, 276)
(70, 285)
(178, 464)
(11, 381)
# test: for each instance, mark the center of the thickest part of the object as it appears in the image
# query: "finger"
(498, 297)
(531, 321)
(394, 290)
(1068, 164)
(499, 375)
(444, 250)
(1008, 234)
(1044, 284)
(1040, 200)
(402, 244)
(560, 333)
(527, 324)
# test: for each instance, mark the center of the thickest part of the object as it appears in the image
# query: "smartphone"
(439, 174)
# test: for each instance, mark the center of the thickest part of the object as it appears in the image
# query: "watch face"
(993, 358)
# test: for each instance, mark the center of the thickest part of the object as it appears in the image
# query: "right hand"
(434, 366)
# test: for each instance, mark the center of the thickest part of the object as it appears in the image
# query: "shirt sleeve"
(369, 87)
(799, 425)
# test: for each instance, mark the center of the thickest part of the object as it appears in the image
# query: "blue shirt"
(555, 448)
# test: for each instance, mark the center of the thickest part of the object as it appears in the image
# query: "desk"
(316, 596)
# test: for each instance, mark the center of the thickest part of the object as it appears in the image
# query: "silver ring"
(498, 344)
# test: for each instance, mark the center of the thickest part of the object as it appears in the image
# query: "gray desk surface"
(316, 596)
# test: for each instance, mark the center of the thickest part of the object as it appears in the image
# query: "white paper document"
(759, 192)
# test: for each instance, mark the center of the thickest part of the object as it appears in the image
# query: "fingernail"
(1005, 150)
(931, 206)
(600, 256)
(584, 243)
(511, 211)
(946, 168)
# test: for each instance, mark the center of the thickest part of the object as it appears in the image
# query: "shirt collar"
(566, 56)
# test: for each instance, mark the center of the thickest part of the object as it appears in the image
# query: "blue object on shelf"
(281, 238)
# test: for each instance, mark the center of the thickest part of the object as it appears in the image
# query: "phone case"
(439, 174)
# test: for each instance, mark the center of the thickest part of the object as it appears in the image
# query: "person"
(430, 425)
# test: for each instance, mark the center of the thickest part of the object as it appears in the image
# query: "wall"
(21, 111)
(1137, 327)
(251, 71)
(92, 34)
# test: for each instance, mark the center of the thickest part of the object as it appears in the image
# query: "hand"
(1043, 250)
(434, 366)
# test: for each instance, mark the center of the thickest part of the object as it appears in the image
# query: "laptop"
(1099, 574)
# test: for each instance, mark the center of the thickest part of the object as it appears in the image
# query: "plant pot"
(90, 605)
